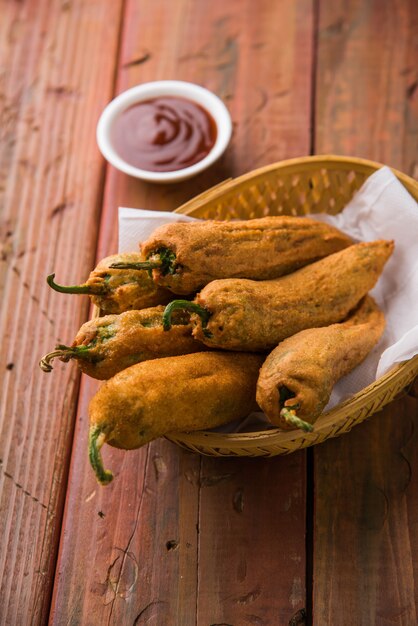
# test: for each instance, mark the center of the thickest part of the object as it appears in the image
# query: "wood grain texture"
(367, 77)
(50, 183)
(186, 547)
(365, 558)
(365, 538)
(251, 540)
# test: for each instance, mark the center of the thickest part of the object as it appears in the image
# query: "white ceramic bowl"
(156, 89)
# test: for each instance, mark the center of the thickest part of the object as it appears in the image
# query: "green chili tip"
(185, 305)
(65, 353)
(96, 440)
(71, 288)
(290, 417)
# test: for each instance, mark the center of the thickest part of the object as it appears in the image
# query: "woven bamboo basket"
(295, 187)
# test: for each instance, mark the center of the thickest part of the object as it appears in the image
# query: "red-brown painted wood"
(194, 540)
(55, 77)
(366, 482)
(252, 541)
(178, 538)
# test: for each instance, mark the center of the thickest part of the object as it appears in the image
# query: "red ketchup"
(164, 134)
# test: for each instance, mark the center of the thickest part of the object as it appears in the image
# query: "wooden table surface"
(327, 536)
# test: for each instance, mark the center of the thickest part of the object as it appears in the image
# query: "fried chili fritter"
(116, 291)
(297, 378)
(185, 256)
(175, 394)
(106, 345)
(238, 314)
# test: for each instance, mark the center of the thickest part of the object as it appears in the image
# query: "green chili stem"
(141, 265)
(185, 305)
(71, 288)
(65, 353)
(289, 415)
(60, 352)
(162, 259)
(96, 440)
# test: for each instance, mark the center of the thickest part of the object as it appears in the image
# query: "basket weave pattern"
(295, 187)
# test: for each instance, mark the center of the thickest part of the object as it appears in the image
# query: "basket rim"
(335, 416)
(310, 162)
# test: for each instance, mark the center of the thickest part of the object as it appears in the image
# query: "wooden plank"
(252, 544)
(251, 555)
(366, 88)
(218, 516)
(366, 482)
(50, 182)
(366, 504)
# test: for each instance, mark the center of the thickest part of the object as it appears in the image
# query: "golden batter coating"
(106, 345)
(192, 254)
(115, 290)
(175, 394)
(300, 373)
(125, 290)
(239, 314)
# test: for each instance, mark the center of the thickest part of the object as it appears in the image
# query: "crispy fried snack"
(180, 393)
(106, 345)
(238, 314)
(116, 291)
(297, 378)
(185, 256)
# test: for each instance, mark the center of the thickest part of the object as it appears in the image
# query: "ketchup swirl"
(164, 134)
